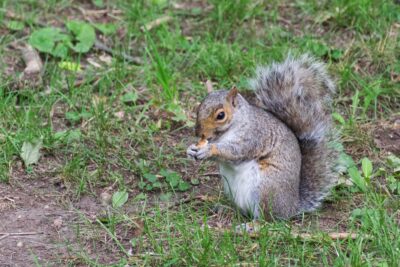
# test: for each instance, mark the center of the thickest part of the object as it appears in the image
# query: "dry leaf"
(30, 152)
(32, 60)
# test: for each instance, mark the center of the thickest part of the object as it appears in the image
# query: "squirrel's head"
(214, 114)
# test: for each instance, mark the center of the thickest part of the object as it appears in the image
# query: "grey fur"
(286, 137)
(298, 92)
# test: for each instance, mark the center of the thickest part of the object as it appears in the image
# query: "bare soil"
(33, 225)
(39, 224)
(387, 135)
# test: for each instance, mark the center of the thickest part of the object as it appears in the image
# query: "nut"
(202, 143)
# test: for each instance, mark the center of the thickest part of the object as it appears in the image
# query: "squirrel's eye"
(221, 116)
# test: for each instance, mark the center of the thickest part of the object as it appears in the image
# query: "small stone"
(106, 59)
(105, 198)
(120, 114)
(20, 244)
(58, 223)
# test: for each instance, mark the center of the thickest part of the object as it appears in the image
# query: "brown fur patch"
(214, 150)
(263, 164)
(207, 127)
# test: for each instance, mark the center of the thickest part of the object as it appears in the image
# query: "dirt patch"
(387, 136)
(39, 224)
(28, 229)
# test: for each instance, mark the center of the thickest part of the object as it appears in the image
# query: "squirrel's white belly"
(241, 184)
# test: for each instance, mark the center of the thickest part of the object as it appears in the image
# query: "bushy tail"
(298, 92)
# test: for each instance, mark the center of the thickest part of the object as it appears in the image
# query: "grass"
(121, 123)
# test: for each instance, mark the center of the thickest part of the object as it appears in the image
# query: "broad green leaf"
(172, 178)
(61, 50)
(183, 186)
(106, 28)
(45, 39)
(85, 35)
(393, 161)
(366, 167)
(30, 152)
(75, 26)
(141, 185)
(357, 179)
(119, 199)
(150, 177)
(164, 172)
(149, 187)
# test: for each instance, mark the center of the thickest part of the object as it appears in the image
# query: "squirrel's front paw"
(197, 153)
(192, 151)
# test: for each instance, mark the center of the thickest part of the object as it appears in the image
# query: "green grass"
(222, 41)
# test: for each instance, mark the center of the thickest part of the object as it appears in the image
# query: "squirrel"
(274, 157)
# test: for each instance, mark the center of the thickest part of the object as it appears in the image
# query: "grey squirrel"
(274, 157)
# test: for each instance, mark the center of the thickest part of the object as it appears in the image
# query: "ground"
(93, 168)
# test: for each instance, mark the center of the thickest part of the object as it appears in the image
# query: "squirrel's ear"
(232, 96)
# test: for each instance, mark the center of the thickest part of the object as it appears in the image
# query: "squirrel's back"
(298, 92)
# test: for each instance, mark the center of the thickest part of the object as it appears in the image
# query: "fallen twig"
(7, 198)
(340, 236)
(5, 235)
(155, 23)
(100, 46)
(211, 174)
(209, 86)
(22, 233)
(252, 229)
